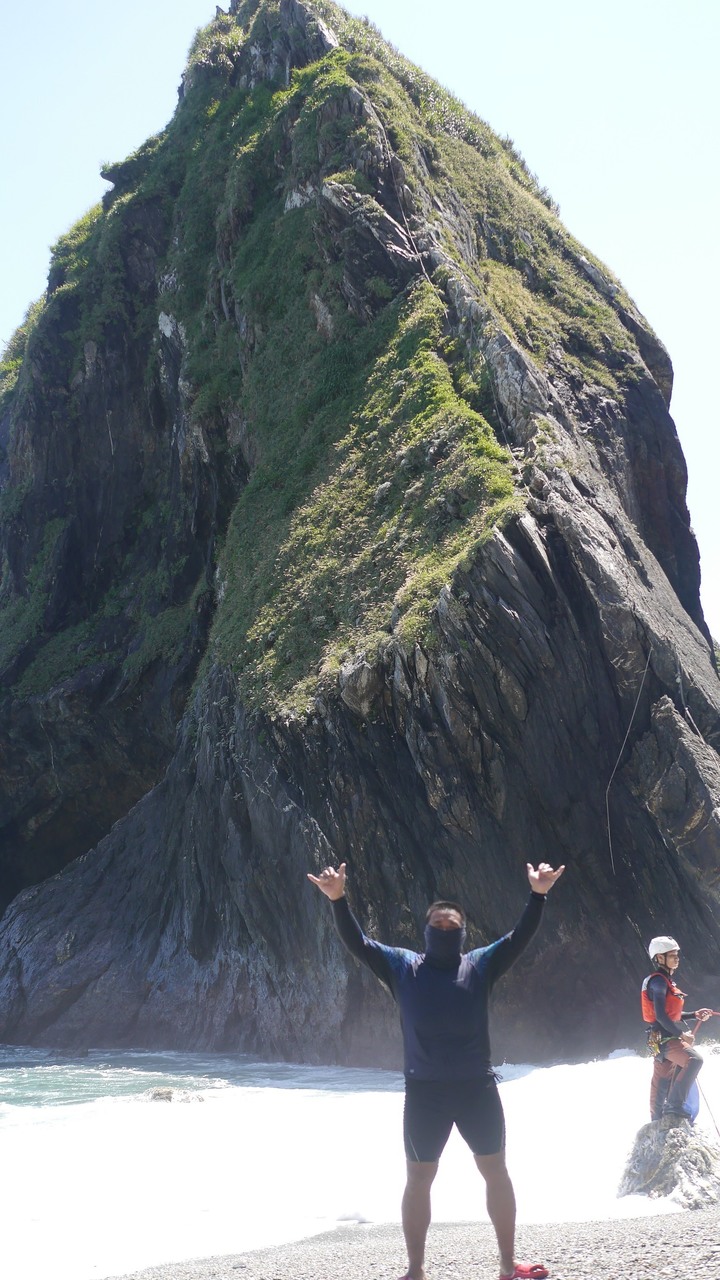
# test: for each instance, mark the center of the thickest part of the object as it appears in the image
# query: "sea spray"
(98, 1178)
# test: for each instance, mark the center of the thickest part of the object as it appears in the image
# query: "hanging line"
(617, 762)
(699, 1023)
(707, 1108)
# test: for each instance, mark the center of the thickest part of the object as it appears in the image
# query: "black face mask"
(443, 947)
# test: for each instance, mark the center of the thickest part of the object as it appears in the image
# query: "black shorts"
(432, 1107)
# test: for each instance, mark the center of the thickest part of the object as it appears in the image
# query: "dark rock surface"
(114, 496)
(433, 768)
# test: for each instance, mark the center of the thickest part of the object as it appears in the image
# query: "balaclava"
(443, 947)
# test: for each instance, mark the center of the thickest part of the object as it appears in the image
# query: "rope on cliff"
(498, 412)
(708, 1108)
(696, 1028)
(390, 156)
(413, 241)
(681, 694)
(617, 762)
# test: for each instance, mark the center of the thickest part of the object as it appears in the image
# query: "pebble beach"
(685, 1246)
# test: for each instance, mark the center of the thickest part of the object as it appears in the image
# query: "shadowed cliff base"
(342, 517)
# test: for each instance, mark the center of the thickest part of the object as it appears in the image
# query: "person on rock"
(677, 1062)
(442, 994)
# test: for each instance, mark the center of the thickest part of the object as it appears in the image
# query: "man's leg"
(416, 1213)
(427, 1121)
(500, 1199)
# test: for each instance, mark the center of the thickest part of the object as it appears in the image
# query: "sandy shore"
(684, 1246)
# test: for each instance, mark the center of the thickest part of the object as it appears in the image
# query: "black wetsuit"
(444, 1011)
(444, 1014)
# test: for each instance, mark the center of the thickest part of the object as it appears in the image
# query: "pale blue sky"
(614, 106)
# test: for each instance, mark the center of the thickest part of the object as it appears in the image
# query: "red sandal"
(527, 1271)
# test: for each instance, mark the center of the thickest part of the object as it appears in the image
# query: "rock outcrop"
(343, 517)
(672, 1158)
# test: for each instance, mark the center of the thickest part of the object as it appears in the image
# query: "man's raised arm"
(506, 950)
(331, 882)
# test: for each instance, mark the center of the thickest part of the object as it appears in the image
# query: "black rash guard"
(444, 1012)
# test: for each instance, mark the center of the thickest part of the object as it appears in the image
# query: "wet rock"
(162, 1094)
(671, 1157)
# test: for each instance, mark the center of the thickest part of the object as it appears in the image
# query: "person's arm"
(506, 950)
(373, 954)
(700, 1015)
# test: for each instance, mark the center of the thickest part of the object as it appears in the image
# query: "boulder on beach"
(671, 1157)
(164, 1094)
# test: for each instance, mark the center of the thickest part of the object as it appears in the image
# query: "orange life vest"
(674, 999)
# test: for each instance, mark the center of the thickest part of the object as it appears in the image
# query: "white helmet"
(659, 946)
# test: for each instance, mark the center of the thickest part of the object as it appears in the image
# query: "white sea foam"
(98, 1179)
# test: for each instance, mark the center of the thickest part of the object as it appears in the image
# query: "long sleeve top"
(444, 1012)
(657, 990)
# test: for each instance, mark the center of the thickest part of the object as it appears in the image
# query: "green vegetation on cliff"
(331, 549)
(310, 377)
(22, 616)
(11, 363)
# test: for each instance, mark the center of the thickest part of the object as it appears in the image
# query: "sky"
(614, 105)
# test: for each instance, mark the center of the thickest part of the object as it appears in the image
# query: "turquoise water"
(254, 1165)
(44, 1078)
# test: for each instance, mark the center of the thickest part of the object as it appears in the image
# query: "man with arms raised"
(443, 997)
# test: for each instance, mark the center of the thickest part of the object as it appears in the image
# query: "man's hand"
(542, 880)
(688, 1039)
(703, 1014)
(331, 882)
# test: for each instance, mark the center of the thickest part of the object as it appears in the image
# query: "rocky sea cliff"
(342, 516)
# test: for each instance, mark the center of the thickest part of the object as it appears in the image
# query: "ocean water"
(98, 1178)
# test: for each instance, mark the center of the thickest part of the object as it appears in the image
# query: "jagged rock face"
(456, 570)
(671, 1158)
